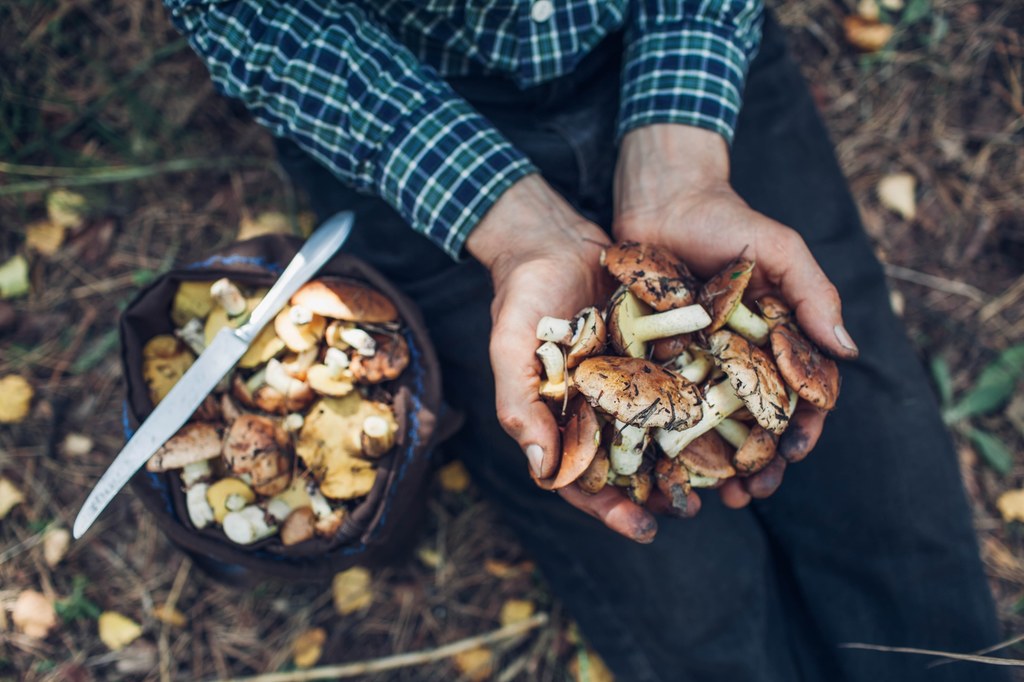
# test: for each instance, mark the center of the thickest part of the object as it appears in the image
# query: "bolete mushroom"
(387, 363)
(631, 324)
(300, 526)
(722, 296)
(652, 273)
(638, 392)
(814, 377)
(342, 299)
(194, 442)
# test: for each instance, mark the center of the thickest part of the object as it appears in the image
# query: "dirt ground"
(86, 85)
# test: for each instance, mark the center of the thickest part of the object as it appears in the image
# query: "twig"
(113, 174)
(938, 283)
(987, 650)
(401, 660)
(931, 652)
(1006, 299)
(172, 602)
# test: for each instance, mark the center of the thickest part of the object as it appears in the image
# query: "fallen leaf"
(897, 193)
(118, 631)
(34, 614)
(587, 666)
(76, 445)
(868, 10)
(476, 664)
(866, 36)
(352, 590)
(10, 497)
(308, 647)
(503, 569)
(44, 237)
(170, 615)
(55, 545)
(1011, 505)
(15, 398)
(14, 277)
(515, 611)
(454, 477)
(66, 209)
(430, 558)
(892, 5)
(270, 222)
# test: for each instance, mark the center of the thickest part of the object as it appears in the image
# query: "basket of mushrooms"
(312, 454)
(675, 385)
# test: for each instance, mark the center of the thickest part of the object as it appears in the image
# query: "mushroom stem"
(749, 325)
(229, 297)
(719, 402)
(671, 322)
(555, 330)
(337, 362)
(361, 341)
(695, 366)
(626, 451)
(734, 432)
(554, 364)
(193, 336)
(248, 525)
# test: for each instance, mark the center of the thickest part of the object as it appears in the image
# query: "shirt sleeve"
(686, 62)
(327, 76)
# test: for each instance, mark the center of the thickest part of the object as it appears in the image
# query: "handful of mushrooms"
(313, 384)
(675, 385)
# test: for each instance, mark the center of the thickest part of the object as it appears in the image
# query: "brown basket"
(383, 521)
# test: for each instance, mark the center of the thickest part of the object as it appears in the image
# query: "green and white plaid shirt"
(360, 85)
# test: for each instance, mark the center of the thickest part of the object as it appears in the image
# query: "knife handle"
(317, 250)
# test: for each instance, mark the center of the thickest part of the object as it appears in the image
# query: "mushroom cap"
(652, 273)
(638, 489)
(755, 453)
(814, 377)
(164, 360)
(595, 477)
(754, 377)
(299, 337)
(673, 480)
(391, 358)
(708, 456)
(194, 442)
(581, 437)
(623, 309)
(592, 336)
(639, 392)
(670, 347)
(723, 293)
(250, 438)
(298, 527)
(345, 300)
(322, 380)
(191, 300)
(774, 311)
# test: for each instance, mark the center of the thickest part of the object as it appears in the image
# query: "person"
(489, 150)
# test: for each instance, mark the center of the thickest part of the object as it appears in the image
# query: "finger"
(614, 510)
(786, 261)
(802, 434)
(767, 480)
(733, 494)
(659, 503)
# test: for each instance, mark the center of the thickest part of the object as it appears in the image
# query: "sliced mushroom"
(813, 376)
(387, 363)
(722, 296)
(345, 300)
(754, 377)
(652, 273)
(299, 328)
(194, 442)
(631, 324)
(638, 392)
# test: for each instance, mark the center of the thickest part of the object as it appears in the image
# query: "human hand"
(672, 188)
(544, 260)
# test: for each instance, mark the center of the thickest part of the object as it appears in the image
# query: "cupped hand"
(543, 259)
(672, 188)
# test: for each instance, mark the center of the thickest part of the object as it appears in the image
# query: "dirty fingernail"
(645, 531)
(535, 454)
(793, 444)
(844, 339)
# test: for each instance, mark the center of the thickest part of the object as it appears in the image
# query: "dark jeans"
(868, 540)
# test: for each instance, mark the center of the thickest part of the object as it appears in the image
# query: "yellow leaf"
(14, 277)
(454, 477)
(34, 614)
(897, 193)
(66, 209)
(503, 569)
(118, 631)
(308, 646)
(866, 36)
(44, 237)
(270, 222)
(55, 545)
(1011, 505)
(15, 398)
(170, 615)
(10, 497)
(352, 590)
(515, 610)
(429, 557)
(587, 666)
(476, 664)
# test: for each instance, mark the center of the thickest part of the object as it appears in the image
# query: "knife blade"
(219, 358)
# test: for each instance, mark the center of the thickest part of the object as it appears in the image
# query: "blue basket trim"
(237, 260)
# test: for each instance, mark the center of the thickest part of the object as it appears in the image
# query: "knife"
(218, 359)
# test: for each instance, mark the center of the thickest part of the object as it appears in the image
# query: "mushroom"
(595, 477)
(228, 494)
(327, 526)
(266, 345)
(332, 378)
(652, 273)
(358, 340)
(192, 334)
(673, 480)
(229, 297)
(638, 486)
(299, 328)
(345, 300)
(229, 409)
(256, 446)
(555, 384)
(814, 377)
(378, 434)
(720, 400)
(722, 295)
(626, 447)
(670, 347)
(581, 437)
(631, 324)
(755, 452)
(694, 364)
(639, 392)
(298, 527)
(585, 334)
(195, 472)
(298, 365)
(200, 511)
(164, 361)
(191, 301)
(754, 377)
(248, 525)
(387, 363)
(297, 394)
(708, 460)
(194, 442)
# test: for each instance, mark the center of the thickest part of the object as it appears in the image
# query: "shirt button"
(542, 10)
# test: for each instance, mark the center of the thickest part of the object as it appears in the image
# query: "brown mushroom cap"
(814, 377)
(670, 347)
(250, 438)
(708, 456)
(581, 438)
(754, 377)
(345, 300)
(639, 392)
(387, 363)
(652, 273)
(298, 527)
(638, 487)
(673, 480)
(755, 453)
(194, 442)
(723, 293)
(595, 477)
(591, 340)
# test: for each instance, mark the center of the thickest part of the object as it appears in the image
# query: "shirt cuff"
(443, 167)
(691, 72)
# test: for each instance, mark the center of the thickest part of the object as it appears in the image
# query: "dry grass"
(94, 83)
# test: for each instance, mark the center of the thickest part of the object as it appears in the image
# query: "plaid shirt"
(359, 84)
